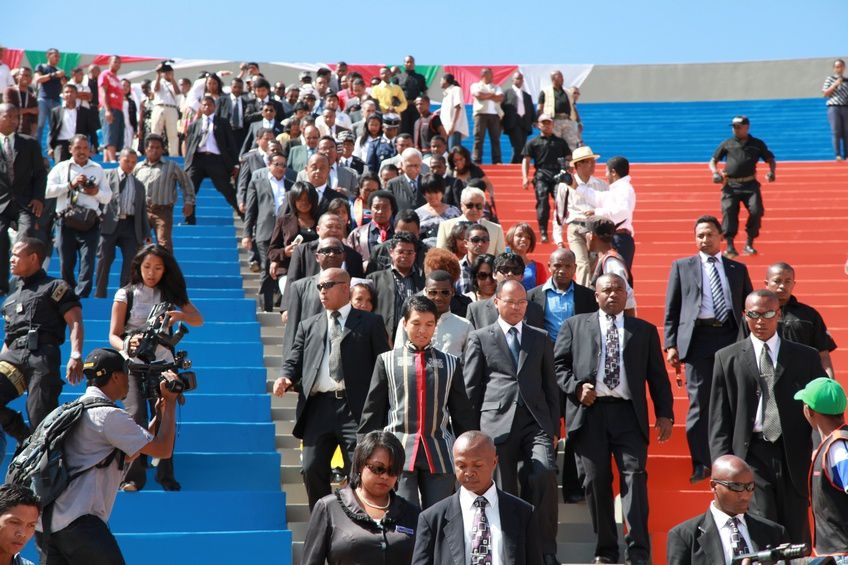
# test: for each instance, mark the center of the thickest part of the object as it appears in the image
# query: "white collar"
(506, 327)
(704, 257)
(344, 311)
(773, 343)
(721, 517)
(467, 497)
(603, 317)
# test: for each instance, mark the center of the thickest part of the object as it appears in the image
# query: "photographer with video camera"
(155, 279)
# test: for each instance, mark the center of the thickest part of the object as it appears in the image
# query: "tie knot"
(513, 331)
(610, 318)
(711, 260)
(732, 522)
(766, 349)
(335, 315)
(480, 502)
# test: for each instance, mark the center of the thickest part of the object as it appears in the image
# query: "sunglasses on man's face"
(479, 239)
(330, 251)
(472, 206)
(736, 487)
(757, 315)
(378, 469)
(438, 292)
(327, 285)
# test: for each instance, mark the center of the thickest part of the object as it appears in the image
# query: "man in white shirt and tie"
(165, 110)
(519, 115)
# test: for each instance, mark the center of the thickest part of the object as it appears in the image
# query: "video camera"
(158, 331)
(783, 552)
(563, 176)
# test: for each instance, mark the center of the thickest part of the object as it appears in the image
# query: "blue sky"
(440, 31)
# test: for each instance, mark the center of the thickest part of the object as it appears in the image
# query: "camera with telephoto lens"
(783, 552)
(563, 176)
(156, 332)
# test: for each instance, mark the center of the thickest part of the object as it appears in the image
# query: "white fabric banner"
(301, 66)
(536, 77)
(178, 64)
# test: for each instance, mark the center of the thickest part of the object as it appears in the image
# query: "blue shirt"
(529, 281)
(559, 307)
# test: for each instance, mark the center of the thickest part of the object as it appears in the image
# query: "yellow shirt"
(385, 92)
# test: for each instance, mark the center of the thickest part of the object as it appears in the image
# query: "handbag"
(77, 217)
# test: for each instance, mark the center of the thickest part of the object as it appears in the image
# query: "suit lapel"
(695, 270)
(523, 349)
(752, 371)
(781, 362)
(352, 322)
(594, 329)
(500, 339)
(710, 539)
(507, 519)
(454, 531)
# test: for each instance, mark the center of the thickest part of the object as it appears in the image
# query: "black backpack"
(40, 463)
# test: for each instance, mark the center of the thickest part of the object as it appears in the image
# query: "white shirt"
(211, 145)
(616, 204)
(326, 383)
(724, 532)
(59, 186)
(82, 88)
(278, 187)
(493, 515)
(320, 190)
(451, 98)
(5, 76)
(485, 106)
(707, 310)
(774, 346)
(69, 124)
(165, 94)
(577, 203)
(519, 94)
(623, 389)
(506, 327)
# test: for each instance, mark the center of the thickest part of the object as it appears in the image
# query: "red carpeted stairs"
(804, 225)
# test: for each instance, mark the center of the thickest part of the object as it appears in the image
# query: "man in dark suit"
(414, 85)
(318, 175)
(519, 116)
(700, 320)
(124, 221)
(508, 267)
(330, 364)
(303, 262)
(211, 153)
(726, 529)
(261, 96)
(23, 179)
(233, 108)
(341, 179)
(603, 362)
(753, 414)
(268, 122)
(66, 121)
(509, 375)
(397, 283)
(480, 523)
(253, 160)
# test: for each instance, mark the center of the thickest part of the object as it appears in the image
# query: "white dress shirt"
(577, 202)
(623, 389)
(485, 106)
(238, 107)
(278, 187)
(451, 334)
(326, 383)
(69, 124)
(6, 79)
(616, 204)
(211, 145)
(59, 185)
(724, 532)
(506, 327)
(774, 346)
(82, 88)
(707, 310)
(466, 503)
(519, 106)
(165, 95)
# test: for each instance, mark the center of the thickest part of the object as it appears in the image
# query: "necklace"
(370, 504)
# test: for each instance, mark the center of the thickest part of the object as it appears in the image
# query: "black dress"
(342, 533)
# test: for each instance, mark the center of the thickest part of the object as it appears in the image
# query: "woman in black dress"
(366, 521)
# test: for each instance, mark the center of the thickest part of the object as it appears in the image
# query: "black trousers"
(749, 195)
(408, 117)
(62, 151)
(544, 189)
(517, 139)
(266, 283)
(83, 243)
(124, 237)
(329, 424)
(612, 429)
(529, 447)
(572, 482)
(205, 165)
(26, 227)
(41, 371)
(139, 409)
(85, 541)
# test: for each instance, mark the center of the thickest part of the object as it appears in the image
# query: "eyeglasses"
(479, 240)
(484, 276)
(757, 315)
(473, 206)
(379, 469)
(328, 285)
(510, 271)
(736, 487)
(330, 251)
(438, 292)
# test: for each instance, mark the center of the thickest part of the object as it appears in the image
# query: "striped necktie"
(719, 305)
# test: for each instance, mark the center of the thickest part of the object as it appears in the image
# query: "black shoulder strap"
(130, 290)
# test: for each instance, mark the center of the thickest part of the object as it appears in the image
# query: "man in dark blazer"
(261, 96)
(84, 121)
(699, 540)
(268, 122)
(331, 387)
(23, 179)
(234, 108)
(402, 272)
(753, 414)
(512, 535)
(509, 375)
(211, 153)
(124, 221)
(518, 126)
(603, 362)
(346, 180)
(318, 175)
(508, 267)
(303, 262)
(697, 325)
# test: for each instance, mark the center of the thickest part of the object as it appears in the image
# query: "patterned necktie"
(9, 156)
(771, 418)
(336, 372)
(206, 131)
(738, 544)
(414, 186)
(481, 535)
(514, 347)
(719, 305)
(612, 369)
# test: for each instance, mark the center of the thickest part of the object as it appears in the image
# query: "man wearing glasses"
(330, 365)
(397, 283)
(476, 243)
(726, 529)
(753, 414)
(508, 267)
(472, 201)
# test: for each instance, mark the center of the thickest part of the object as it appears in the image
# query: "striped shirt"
(840, 95)
(160, 182)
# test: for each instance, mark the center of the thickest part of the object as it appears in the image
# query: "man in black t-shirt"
(546, 151)
(740, 185)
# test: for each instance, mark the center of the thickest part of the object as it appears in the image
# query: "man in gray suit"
(508, 267)
(300, 154)
(407, 187)
(341, 179)
(124, 221)
(509, 375)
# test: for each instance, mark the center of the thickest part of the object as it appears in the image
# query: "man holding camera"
(165, 109)
(79, 187)
(547, 152)
(79, 531)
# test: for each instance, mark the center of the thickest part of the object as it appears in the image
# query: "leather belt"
(126, 217)
(742, 179)
(337, 394)
(610, 399)
(21, 342)
(168, 106)
(709, 323)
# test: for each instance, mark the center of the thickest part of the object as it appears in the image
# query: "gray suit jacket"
(406, 198)
(250, 162)
(484, 313)
(259, 206)
(301, 301)
(348, 179)
(109, 220)
(298, 156)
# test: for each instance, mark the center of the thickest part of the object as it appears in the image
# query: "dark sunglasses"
(379, 469)
(330, 251)
(510, 270)
(328, 285)
(473, 206)
(736, 487)
(438, 292)
(484, 276)
(479, 240)
(757, 315)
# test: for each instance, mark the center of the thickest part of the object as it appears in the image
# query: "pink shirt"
(114, 93)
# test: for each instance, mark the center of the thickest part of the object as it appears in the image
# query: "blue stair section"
(225, 457)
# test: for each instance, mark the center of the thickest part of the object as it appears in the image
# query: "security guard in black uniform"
(36, 315)
(740, 185)
(548, 153)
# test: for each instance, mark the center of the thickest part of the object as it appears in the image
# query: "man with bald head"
(480, 523)
(318, 175)
(726, 529)
(330, 364)
(753, 414)
(509, 374)
(603, 362)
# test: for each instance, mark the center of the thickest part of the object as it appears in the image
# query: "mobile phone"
(297, 240)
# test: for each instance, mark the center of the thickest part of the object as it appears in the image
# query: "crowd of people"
(423, 339)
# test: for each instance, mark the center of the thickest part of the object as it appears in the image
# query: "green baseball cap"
(823, 395)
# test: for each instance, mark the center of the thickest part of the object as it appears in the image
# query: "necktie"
(414, 186)
(336, 372)
(771, 419)
(514, 347)
(612, 370)
(9, 156)
(384, 232)
(738, 544)
(481, 535)
(236, 121)
(122, 186)
(205, 136)
(719, 305)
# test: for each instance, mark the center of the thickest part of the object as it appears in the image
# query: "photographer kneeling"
(155, 278)
(79, 534)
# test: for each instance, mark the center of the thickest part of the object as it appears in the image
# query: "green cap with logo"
(823, 395)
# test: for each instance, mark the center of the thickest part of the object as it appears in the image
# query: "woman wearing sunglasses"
(365, 522)
(482, 278)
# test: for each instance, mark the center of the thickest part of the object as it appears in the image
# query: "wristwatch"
(76, 355)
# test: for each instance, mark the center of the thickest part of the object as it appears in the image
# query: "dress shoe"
(544, 237)
(550, 559)
(749, 250)
(700, 474)
(254, 267)
(600, 559)
(129, 486)
(731, 252)
(575, 497)
(170, 484)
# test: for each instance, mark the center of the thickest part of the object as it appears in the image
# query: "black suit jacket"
(484, 313)
(29, 172)
(440, 538)
(697, 542)
(384, 287)
(734, 399)
(576, 355)
(683, 298)
(259, 206)
(511, 119)
(303, 263)
(86, 124)
(109, 219)
(301, 301)
(223, 136)
(328, 196)
(252, 131)
(584, 299)
(495, 385)
(253, 110)
(363, 339)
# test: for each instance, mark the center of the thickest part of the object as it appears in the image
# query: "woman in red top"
(521, 240)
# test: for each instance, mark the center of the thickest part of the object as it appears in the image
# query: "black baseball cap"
(102, 362)
(740, 121)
